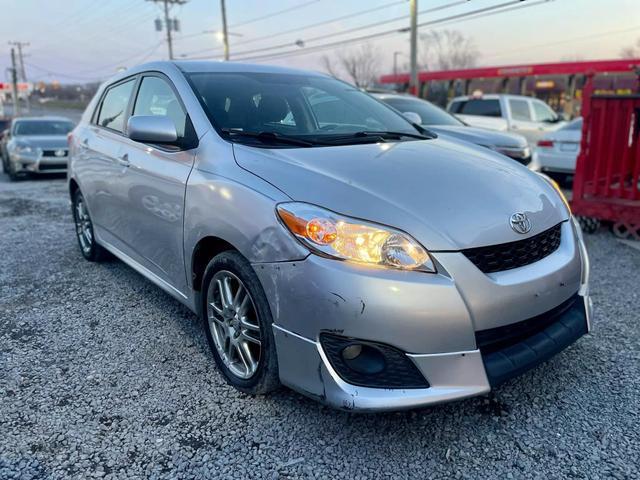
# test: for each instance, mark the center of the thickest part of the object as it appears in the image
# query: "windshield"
(43, 127)
(312, 108)
(430, 114)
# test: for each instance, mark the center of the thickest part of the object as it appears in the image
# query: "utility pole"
(395, 62)
(14, 83)
(225, 33)
(23, 73)
(413, 81)
(168, 24)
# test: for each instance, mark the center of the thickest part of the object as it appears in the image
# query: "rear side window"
(520, 110)
(156, 97)
(481, 107)
(114, 106)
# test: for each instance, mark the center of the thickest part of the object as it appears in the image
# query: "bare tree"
(447, 50)
(360, 65)
(632, 51)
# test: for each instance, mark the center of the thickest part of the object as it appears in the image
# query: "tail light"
(545, 143)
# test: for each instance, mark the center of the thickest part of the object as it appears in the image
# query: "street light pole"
(413, 82)
(225, 33)
(23, 73)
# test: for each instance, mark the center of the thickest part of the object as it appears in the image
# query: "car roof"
(47, 118)
(197, 66)
(400, 96)
(491, 96)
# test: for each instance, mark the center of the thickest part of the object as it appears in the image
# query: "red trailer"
(607, 181)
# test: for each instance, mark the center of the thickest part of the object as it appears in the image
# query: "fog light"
(364, 358)
(352, 351)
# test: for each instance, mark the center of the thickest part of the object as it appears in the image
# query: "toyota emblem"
(59, 153)
(520, 223)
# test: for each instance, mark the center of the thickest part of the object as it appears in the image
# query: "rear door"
(98, 163)
(153, 186)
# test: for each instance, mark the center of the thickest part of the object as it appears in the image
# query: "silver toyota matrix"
(327, 243)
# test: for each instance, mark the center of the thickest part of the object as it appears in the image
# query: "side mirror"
(413, 117)
(152, 129)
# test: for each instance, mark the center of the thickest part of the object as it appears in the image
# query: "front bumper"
(433, 318)
(38, 163)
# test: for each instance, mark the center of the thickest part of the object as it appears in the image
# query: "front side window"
(311, 108)
(156, 97)
(543, 113)
(520, 110)
(114, 106)
(42, 127)
(481, 107)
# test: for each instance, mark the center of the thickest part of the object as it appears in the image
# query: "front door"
(154, 187)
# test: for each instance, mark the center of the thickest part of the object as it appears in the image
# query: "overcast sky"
(89, 39)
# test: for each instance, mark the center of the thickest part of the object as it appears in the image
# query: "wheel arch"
(206, 248)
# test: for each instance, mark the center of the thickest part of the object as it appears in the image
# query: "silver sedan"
(327, 243)
(36, 145)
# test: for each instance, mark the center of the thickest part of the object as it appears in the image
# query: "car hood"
(480, 136)
(447, 195)
(48, 142)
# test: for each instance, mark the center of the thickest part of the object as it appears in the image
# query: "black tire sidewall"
(266, 377)
(97, 252)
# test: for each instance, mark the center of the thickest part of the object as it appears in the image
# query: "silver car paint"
(446, 195)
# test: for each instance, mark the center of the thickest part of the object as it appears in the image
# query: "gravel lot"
(104, 375)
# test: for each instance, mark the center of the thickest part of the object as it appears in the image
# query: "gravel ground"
(104, 375)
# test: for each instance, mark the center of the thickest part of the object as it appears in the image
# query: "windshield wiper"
(387, 134)
(269, 137)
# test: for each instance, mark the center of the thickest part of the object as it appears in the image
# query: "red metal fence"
(607, 180)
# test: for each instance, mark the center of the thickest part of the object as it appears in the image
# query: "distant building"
(558, 84)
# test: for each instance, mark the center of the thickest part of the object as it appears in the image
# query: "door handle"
(85, 142)
(124, 160)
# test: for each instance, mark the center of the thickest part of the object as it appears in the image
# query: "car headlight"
(557, 188)
(24, 149)
(336, 236)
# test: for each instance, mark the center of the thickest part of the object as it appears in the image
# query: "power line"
(351, 30)
(292, 30)
(290, 53)
(273, 14)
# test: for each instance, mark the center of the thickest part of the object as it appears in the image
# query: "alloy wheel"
(233, 323)
(84, 229)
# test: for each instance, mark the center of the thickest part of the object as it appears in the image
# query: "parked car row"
(35, 145)
(443, 123)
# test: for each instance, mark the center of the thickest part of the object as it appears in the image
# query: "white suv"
(527, 116)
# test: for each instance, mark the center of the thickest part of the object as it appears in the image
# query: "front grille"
(399, 371)
(52, 153)
(505, 256)
(52, 166)
(499, 338)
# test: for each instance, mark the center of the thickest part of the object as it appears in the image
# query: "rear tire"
(89, 248)
(238, 324)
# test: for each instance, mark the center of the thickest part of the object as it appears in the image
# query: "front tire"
(84, 231)
(237, 321)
